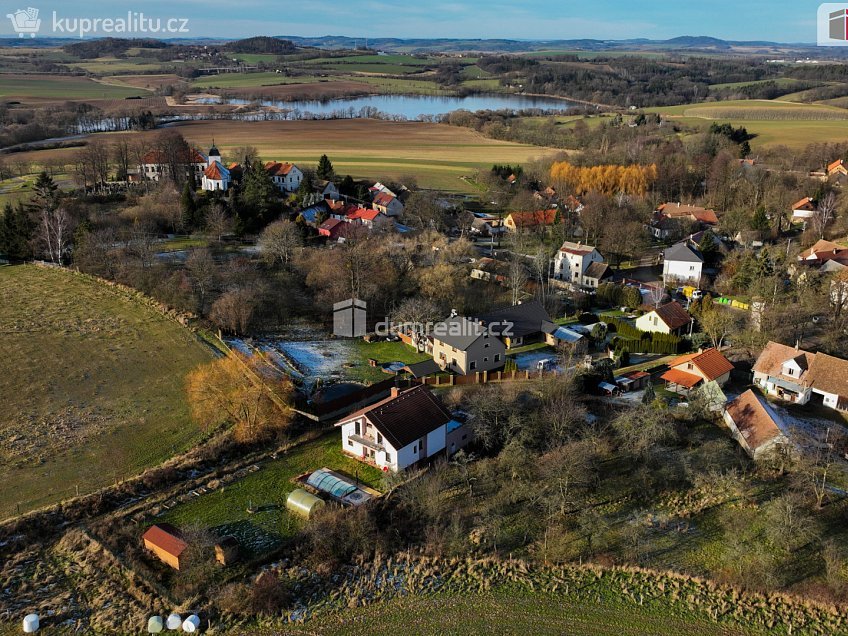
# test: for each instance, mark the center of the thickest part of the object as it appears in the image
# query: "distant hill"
(262, 44)
(91, 49)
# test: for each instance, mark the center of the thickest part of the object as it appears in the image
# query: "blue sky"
(783, 20)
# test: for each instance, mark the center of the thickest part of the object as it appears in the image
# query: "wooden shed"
(166, 542)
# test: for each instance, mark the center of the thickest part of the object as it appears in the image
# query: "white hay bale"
(174, 622)
(191, 624)
(31, 623)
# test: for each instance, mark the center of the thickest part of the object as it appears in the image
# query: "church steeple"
(213, 155)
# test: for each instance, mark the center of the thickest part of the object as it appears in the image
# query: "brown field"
(149, 82)
(436, 155)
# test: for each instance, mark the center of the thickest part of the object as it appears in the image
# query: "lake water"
(405, 106)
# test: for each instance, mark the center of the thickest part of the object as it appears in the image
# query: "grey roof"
(598, 271)
(526, 319)
(459, 332)
(561, 333)
(683, 252)
(423, 369)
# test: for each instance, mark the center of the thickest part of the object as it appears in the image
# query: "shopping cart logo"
(25, 21)
(349, 318)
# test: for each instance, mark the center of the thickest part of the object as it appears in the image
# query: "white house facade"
(406, 428)
(286, 176)
(682, 265)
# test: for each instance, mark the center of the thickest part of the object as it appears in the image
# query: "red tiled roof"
(364, 214)
(835, 165)
(806, 202)
(405, 418)
(681, 378)
(677, 210)
(384, 199)
(213, 172)
(277, 169)
(167, 538)
(710, 362)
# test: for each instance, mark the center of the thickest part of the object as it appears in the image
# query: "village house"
(540, 219)
(695, 369)
(527, 323)
(406, 428)
(674, 220)
(671, 318)
(462, 346)
(755, 426)
(837, 169)
(826, 256)
(337, 230)
(372, 219)
(795, 375)
(580, 265)
(803, 210)
(682, 265)
(325, 189)
(387, 203)
(166, 542)
(157, 163)
(286, 176)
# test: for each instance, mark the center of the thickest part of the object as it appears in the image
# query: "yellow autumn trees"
(607, 179)
(234, 391)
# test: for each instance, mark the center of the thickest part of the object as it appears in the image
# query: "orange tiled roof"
(681, 378)
(710, 362)
(277, 169)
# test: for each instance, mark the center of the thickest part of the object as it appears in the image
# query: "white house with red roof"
(580, 265)
(286, 176)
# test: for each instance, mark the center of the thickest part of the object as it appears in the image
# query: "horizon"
(606, 20)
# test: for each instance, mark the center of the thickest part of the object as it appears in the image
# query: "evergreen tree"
(258, 200)
(325, 168)
(189, 208)
(16, 232)
(744, 149)
(760, 221)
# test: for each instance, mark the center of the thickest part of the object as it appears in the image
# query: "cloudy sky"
(777, 20)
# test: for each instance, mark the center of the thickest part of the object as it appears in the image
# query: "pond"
(402, 106)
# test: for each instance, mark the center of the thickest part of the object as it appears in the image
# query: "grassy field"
(72, 414)
(23, 87)
(511, 611)
(382, 352)
(245, 80)
(267, 489)
(435, 155)
(773, 122)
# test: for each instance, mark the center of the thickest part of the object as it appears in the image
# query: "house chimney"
(395, 392)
